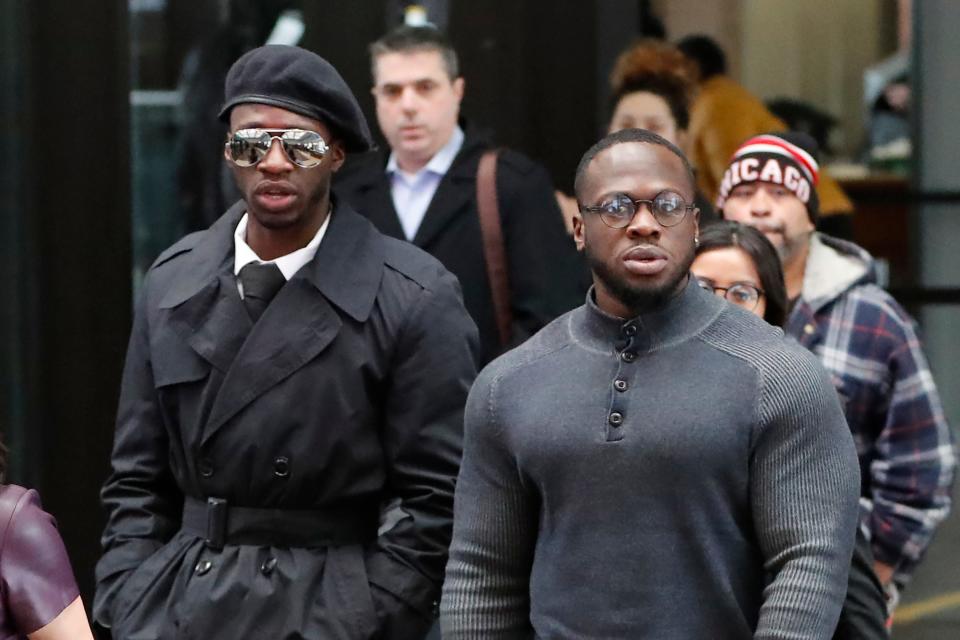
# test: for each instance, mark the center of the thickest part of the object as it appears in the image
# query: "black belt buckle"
(216, 523)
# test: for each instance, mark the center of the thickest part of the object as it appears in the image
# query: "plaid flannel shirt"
(869, 345)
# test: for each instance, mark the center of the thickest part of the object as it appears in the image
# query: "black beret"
(300, 81)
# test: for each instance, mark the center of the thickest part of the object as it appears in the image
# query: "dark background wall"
(535, 72)
(65, 248)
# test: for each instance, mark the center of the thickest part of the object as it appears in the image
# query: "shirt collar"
(440, 162)
(288, 264)
(680, 318)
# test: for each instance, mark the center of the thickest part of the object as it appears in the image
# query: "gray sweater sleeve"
(804, 483)
(485, 594)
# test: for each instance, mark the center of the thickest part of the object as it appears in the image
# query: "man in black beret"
(290, 418)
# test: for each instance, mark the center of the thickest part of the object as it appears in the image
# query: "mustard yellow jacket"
(723, 116)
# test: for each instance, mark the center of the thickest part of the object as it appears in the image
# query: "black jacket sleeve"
(142, 500)
(547, 277)
(433, 369)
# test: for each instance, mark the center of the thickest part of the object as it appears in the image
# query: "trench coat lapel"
(296, 326)
(303, 319)
(204, 305)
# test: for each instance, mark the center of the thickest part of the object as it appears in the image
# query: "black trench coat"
(348, 391)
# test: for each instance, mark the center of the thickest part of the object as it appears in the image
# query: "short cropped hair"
(407, 39)
(621, 137)
(727, 234)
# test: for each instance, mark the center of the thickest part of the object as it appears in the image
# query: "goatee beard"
(638, 300)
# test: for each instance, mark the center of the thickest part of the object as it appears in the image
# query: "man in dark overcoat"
(425, 190)
(292, 376)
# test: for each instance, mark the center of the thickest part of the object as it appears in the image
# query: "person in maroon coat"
(39, 599)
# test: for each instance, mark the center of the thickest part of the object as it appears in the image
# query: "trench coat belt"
(219, 524)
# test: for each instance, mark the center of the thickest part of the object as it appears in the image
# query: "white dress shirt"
(412, 192)
(288, 264)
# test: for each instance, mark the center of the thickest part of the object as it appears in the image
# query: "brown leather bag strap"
(494, 250)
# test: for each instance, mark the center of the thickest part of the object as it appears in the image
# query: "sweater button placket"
(616, 412)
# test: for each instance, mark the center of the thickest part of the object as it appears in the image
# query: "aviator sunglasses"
(305, 149)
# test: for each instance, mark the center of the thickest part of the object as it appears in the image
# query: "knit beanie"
(788, 159)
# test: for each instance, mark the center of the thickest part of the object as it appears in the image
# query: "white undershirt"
(288, 264)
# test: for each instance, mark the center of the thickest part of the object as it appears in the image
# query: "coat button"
(281, 466)
(809, 329)
(206, 468)
(615, 419)
(630, 330)
(268, 565)
(628, 356)
(203, 567)
(620, 385)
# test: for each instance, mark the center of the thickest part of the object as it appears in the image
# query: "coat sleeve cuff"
(406, 584)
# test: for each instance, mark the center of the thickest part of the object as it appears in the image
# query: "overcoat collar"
(206, 310)
(346, 269)
(456, 191)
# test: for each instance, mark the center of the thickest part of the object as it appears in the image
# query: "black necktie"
(260, 283)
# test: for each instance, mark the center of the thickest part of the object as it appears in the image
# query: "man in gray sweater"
(656, 463)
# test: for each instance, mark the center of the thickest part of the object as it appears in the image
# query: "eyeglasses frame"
(598, 209)
(760, 292)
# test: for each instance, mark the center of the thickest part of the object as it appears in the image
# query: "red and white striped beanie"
(788, 159)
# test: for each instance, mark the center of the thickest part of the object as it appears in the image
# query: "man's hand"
(884, 572)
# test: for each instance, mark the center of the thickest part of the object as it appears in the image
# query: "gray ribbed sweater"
(687, 474)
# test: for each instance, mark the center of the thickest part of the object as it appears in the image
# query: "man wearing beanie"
(290, 418)
(867, 342)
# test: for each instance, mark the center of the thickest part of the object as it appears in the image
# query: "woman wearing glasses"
(738, 263)
(651, 87)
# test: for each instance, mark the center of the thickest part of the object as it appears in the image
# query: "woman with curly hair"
(39, 599)
(651, 87)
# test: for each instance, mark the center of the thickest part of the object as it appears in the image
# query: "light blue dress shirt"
(412, 192)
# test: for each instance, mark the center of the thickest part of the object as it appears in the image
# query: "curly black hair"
(655, 67)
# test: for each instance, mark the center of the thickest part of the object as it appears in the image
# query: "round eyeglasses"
(305, 149)
(741, 294)
(668, 209)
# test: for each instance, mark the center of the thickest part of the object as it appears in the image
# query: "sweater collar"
(680, 318)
